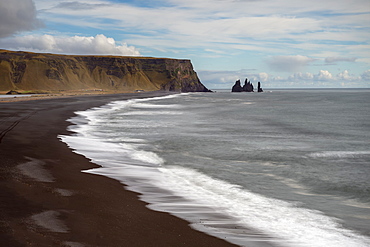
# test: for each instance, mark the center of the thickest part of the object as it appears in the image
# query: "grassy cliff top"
(75, 55)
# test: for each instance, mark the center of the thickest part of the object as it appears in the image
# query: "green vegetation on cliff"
(50, 72)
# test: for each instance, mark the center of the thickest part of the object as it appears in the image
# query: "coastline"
(54, 95)
(48, 201)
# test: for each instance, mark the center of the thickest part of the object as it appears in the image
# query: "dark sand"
(47, 201)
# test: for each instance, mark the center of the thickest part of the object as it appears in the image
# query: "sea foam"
(339, 154)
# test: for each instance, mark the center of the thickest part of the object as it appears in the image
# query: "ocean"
(279, 168)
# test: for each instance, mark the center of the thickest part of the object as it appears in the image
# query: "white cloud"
(273, 6)
(219, 77)
(99, 44)
(366, 75)
(289, 63)
(340, 59)
(259, 77)
(263, 76)
(77, 6)
(325, 78)
(323, 75)
(345, 75)
(299, 76)
(17, 16)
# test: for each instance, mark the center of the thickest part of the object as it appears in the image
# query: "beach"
(47, 201)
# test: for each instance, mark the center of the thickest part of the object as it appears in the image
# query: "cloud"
(299, 76)
(324, 78)
(345, 75)
(219, 77)
(17, 16)
(99, 44)
(340, 59)
(366, 75)
(79, 6)
(289, 63)
(323, 75)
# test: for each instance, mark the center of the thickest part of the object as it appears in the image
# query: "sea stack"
(248, 87)
(260, 90)
(237, 87)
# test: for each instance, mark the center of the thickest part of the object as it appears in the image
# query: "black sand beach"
(47, 201)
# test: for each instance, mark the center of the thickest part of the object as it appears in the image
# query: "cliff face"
(36, 71)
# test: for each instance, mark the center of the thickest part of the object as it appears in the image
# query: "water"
(280, 168)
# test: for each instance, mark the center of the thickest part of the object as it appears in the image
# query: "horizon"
(282, 44)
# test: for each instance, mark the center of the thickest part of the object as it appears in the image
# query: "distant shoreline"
(53, 95)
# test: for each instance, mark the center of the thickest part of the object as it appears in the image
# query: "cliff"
(50, 72)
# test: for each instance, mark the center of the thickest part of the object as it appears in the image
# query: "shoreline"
(48, 201)
(55, 95)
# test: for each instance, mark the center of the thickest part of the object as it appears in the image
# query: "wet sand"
(47, 201)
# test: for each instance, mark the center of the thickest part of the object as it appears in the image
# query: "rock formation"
(12, 92)
(259, 87)
(248, 87)
(50, 72)
(237, 87)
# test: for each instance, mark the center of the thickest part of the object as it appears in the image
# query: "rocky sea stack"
(37, 71)
(248, 87)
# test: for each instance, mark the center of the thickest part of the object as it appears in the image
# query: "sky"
(281, 43)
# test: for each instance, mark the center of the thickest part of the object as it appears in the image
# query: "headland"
(39, 73)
